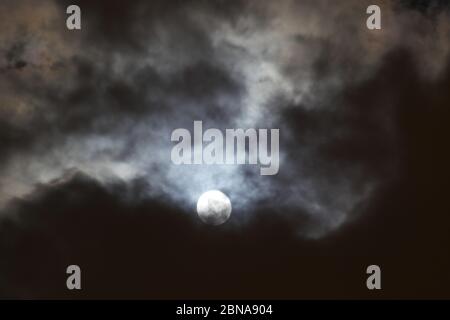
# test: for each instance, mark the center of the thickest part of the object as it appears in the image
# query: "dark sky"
(85, 172)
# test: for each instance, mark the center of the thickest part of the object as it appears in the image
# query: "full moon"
(214, 207)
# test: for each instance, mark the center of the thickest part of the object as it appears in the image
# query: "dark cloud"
(152, 250)
(425, 5)
(14, 57)
(131, 26)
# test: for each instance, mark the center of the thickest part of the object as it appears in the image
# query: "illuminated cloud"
(105, 100)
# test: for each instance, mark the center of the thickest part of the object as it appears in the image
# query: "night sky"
(86, 176)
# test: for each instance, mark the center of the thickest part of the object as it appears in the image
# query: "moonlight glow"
(214, 207)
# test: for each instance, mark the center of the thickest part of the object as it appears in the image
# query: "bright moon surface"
(214, 207)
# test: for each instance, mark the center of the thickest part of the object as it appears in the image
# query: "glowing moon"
(214, 207)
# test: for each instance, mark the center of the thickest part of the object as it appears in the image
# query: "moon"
(214, 207)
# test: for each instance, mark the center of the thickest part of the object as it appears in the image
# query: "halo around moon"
(214, 207)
